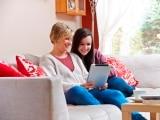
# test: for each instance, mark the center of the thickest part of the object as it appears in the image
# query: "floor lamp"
(93, 4)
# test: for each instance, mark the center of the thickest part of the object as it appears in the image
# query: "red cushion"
(28, 68)
(7, 70)
(122, 71)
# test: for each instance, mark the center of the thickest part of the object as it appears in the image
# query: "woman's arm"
(99, 57)
(48, 66)
(102, 59)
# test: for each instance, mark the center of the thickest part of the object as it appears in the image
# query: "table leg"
(154, 116)
(126, 115)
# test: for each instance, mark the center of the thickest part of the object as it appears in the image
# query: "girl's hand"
(112, 72)
(88, 85)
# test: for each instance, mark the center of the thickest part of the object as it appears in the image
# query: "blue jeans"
(79, 95)
(119, 84)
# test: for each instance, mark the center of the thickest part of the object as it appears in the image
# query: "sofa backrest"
(146, 69)
(33, 58)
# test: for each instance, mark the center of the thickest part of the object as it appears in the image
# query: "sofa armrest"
(59, 106)
(32, 99)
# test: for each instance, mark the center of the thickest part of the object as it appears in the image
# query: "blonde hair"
(59, 30)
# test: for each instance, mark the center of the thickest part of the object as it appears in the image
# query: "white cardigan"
(54, 67)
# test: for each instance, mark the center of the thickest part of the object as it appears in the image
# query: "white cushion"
(146, 69)
(95, 112)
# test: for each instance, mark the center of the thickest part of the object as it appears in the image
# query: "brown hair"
(59, 30)
(80, 34)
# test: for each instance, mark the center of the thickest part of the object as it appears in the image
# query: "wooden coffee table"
(127, 108)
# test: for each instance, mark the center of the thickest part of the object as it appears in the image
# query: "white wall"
(25, 26)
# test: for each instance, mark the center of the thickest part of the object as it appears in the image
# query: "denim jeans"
(118, 83)
(79, 95)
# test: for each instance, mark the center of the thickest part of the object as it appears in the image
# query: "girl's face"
(85, 45)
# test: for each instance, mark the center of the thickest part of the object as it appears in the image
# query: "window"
(140, 31)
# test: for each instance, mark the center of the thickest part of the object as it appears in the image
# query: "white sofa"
(43, 98)
(146, 69)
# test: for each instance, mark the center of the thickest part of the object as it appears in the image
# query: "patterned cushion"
(122, 71)
(28, 68)
(7, 70)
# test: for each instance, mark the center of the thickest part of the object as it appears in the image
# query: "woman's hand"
(88, 85)
(105, 86)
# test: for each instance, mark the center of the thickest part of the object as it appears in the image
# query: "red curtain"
(87, 22)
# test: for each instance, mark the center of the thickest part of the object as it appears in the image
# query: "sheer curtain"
(111, 14)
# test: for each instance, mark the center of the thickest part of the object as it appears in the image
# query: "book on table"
(151, 99)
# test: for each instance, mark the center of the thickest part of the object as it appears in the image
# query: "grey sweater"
(54, 68)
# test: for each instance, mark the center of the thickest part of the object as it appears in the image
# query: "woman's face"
(64, 43)
(85, 45)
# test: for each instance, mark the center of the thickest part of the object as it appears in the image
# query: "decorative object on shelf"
(71, 7)
(71, 4)
(93, 4)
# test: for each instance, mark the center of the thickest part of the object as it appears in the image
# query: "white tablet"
(98, 74)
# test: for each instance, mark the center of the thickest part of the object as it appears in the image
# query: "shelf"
(71, 7)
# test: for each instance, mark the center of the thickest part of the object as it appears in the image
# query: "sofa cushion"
(122, 71)
(28, 68)
(146, 69)
(7, 70)
(95, 112)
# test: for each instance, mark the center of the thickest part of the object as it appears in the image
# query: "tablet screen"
(98, 74)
